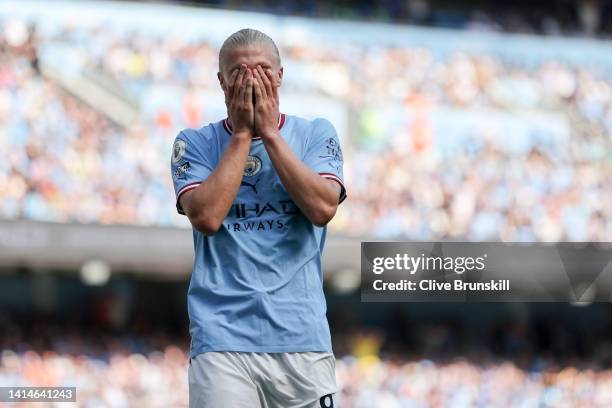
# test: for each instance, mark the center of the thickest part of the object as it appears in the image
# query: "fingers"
(231, 83)
(272, 83)
(260, 83)
(258, 87)
(248, 88)
(238, 86)
(265, 80)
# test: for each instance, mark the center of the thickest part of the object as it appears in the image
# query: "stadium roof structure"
(165, 252)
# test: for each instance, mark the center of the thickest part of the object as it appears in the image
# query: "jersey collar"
(228, 127)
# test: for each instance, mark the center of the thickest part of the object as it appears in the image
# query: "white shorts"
(265, 380)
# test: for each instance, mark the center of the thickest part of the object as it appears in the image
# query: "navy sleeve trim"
(332, 176)
(182, 191)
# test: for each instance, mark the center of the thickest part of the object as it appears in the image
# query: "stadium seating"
(440, 143)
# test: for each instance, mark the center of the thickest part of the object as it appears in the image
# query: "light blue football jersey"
(257, 284)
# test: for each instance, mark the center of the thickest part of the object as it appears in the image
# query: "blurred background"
(464, 120)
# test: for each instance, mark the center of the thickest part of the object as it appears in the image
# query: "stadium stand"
(448, 134)
(509, 364)
(457, 115)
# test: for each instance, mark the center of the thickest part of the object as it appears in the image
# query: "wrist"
(243, 135)
(270, 135)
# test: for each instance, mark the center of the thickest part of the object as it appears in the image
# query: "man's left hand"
(266, 104)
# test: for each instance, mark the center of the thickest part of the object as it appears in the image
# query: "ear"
(279, 77)
(221, 81)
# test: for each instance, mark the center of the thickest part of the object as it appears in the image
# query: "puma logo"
(252, 185)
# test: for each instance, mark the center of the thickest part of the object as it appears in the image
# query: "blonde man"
(258, 188)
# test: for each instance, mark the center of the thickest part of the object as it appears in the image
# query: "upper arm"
(190, 165)
(324, 155)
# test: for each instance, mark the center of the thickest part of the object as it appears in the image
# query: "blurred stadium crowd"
(67, 161)
(149, 369)
(159, 380)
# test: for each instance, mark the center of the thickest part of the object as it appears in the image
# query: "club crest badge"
(252, 166)
(178, 150)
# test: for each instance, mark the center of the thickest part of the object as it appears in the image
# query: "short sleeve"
(190, 167)
(324, 154)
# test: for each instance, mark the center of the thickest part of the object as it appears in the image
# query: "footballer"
(259, 188)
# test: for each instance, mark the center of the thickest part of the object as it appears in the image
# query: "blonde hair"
(245, 38)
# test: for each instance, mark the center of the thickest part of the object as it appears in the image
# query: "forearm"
(210, 202)
(314, 195)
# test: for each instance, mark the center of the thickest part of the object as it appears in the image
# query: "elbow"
(206, 225)
(323, 215)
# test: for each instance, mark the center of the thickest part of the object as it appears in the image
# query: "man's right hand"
(240, 101)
